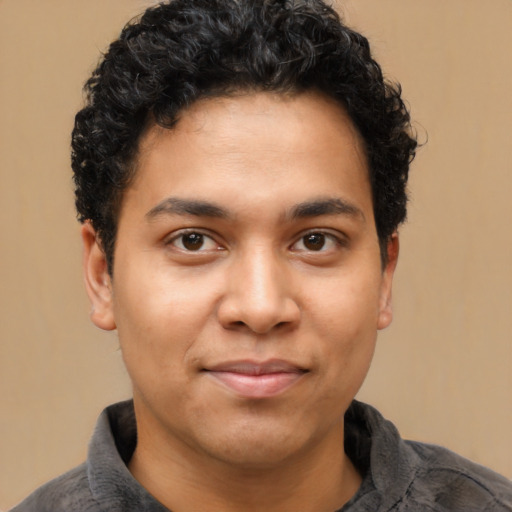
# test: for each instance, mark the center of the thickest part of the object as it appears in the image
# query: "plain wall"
(442, 372)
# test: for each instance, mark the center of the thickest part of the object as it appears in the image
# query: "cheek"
(345, 324)
(348, 354)
(346, 306)
(158, 320)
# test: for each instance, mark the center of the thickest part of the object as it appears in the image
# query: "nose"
(259, 294)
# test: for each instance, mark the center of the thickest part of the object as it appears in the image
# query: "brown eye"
(314, 241)
(192, 241)
(318, 241)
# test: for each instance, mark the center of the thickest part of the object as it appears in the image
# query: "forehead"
(255, 143)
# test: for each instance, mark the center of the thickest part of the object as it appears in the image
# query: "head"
(185, 50)
(241, 166)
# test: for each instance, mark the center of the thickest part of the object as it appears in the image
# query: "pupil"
(193, 241)
(314, 241)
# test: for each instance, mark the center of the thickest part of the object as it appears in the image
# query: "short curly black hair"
(183, 50)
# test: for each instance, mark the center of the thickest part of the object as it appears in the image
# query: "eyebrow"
(176, 206)
(307, 209)
(326, 206)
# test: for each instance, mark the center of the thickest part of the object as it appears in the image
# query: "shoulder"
(67, 492)
(456, 483)
(407, 476)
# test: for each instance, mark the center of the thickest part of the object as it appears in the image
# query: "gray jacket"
(398, 475)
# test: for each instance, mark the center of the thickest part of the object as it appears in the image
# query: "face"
(247, 287)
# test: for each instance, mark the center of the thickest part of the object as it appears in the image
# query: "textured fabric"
(398, 475)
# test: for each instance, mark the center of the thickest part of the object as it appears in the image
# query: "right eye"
(193, 241)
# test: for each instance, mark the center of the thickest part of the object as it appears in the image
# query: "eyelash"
(326, 237)
(183, 233)
(338, 241)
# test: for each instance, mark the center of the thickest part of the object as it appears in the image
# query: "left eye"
(316, 242)
(194, 241)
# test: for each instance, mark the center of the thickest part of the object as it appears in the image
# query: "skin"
(247, 235)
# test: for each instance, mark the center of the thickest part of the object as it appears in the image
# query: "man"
(240, 172)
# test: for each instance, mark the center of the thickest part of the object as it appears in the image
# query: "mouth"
(257, 380)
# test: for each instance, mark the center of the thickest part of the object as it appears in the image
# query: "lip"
(257, 380)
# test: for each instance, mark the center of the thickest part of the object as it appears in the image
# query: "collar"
(372, 443)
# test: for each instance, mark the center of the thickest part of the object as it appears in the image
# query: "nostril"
(241, 323)
(259, 316)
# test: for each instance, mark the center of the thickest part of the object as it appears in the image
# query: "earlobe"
(98, 283)
(386, 306)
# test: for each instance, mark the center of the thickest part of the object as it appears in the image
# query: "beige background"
(442, 372)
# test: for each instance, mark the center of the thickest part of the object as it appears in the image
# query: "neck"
(321, 479)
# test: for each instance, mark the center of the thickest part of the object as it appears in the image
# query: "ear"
(385, 305)
(98, 283)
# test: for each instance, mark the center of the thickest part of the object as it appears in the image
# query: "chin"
(257, 456)
(258, 446)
